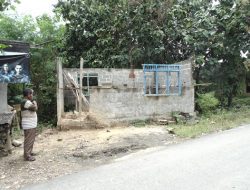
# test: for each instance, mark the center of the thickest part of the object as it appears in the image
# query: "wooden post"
(80, 89)
(60, 93)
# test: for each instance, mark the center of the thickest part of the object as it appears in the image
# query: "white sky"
(35, 7)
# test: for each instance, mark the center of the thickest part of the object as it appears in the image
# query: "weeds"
(219, 121)
(17, 133)
(140, 123)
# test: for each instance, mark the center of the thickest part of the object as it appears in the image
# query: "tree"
(14, 28)
(5, 4)
(45, 34)
(93, 27)
(123, 32)
(43, 66)
(216, 34)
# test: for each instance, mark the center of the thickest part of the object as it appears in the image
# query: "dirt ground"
(65, 152)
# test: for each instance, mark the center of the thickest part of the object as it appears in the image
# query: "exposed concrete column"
(60, 95)
(3, 98)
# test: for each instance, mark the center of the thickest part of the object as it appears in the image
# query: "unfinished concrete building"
(155, 91)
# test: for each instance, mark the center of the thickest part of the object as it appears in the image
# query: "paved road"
(220, 161)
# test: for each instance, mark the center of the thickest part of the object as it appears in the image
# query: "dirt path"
(62, 153)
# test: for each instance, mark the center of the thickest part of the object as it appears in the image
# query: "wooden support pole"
(80, 89)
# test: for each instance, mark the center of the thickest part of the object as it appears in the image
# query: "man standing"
(29, 123)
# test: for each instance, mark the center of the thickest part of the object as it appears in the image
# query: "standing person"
(29, 123)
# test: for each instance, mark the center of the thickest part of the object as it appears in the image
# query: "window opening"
(89, 79)
(162, 79)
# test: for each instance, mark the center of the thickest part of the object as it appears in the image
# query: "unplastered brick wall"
(118, 97)
(115, 78)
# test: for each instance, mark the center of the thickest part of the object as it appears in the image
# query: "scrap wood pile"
(71, 84)
(86, 119)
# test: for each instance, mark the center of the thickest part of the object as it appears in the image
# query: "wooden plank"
(76, 86)
(80, 89)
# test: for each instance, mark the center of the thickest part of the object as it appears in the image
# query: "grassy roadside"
(218, 121)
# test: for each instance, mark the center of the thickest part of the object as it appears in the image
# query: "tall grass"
(219, 120)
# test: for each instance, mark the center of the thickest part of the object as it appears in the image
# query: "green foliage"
(2, 47)
(47, 34)
(218, 121)
(216, 35)
(207, 102)
(43, 126)
(115, 33)
(140, 123)
(43, 66)
(242, 101)
(5, 4)
(119, 33)
(124, 32)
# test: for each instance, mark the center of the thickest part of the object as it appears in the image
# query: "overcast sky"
(39, 7)
(35, 7)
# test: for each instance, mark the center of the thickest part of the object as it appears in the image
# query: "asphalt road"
(219, 161)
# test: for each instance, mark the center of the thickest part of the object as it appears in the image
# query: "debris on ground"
(64, 152)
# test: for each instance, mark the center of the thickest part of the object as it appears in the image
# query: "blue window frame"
(162, 79)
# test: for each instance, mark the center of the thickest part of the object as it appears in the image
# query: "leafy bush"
(207, 102)
(241, 101)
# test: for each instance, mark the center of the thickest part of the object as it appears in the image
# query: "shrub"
(207, 102)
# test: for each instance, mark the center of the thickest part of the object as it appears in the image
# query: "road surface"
(215, 162)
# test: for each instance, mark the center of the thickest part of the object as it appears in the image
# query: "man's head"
(5, 67)
(18, 69)
(28, 93)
